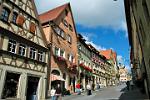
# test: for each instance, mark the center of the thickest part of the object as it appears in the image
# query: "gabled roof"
(106, 53)
(52, 14)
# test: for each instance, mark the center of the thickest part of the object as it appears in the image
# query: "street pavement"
(110, 93)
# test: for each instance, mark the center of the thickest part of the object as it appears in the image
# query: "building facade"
(138, 17)
(23, 52)
(84, 61)
(59, 28)
(111, 58)
(123, 74)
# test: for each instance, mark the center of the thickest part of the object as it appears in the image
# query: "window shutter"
(32, 27)
(20, 20)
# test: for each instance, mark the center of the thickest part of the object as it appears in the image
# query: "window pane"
(22, 49)
(40, 56)
(12, 46)
(32, 53)
(5, 14)
(14, 18)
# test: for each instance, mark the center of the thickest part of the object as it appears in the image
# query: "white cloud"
(91, 13)
(120, 59)
(88, 41)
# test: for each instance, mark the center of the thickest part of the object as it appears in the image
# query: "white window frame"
(41, 56)
(32, 53)
(22, 47)
(13, 45)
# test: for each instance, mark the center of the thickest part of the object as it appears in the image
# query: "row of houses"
(40, 51)
(138, 19)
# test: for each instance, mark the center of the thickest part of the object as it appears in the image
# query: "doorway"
(11, 85)
(32, 88)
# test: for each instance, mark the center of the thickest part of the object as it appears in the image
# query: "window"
(65, 23)
(62, 53)
(5, 14)
(22, 49)
(79, 46)
(57, 30)
(71, 58)
(14, 17)
(12, 46)
(146, 12)
(32, 53)
(70, 27)
(62, 34)
(69, 38)
(56, 51)
(41, 56)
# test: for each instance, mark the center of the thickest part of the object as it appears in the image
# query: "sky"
(101, 22)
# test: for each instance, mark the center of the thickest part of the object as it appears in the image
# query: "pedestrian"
(78, 86)
(53, 96)
(128, 84)
(88, 89)
(58, 92)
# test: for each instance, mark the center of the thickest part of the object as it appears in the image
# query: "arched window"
(55, 72)
(5, 14)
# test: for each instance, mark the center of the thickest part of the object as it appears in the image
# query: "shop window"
(11, 86)
(41, 56)
(32, 88)
(32, 27)
(12, 46)
(22, 49)
(14, 17)
(5, 14)
(20, 20)
(32, 53)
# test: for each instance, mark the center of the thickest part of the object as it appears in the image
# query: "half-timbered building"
(23, 52)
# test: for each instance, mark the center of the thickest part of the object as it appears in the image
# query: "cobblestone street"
(110, 93)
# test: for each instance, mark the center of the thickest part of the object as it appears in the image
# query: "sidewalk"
(134, 94)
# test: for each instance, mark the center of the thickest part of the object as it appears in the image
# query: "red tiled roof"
(52, 14)
(106, 53)
(114, 56)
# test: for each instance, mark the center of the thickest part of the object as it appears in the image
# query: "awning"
(56, 77)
